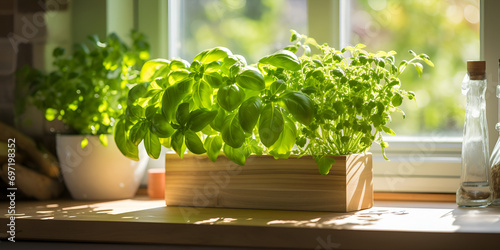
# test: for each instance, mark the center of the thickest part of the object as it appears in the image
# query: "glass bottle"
(475, 189)
(495, 166)
(495, 159)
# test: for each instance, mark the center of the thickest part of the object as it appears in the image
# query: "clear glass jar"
(495, 160)
(475, 189)
(495, 167)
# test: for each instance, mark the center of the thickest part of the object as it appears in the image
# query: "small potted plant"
(278, 118)
(87, 92)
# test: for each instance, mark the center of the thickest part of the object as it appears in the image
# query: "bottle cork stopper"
(476, 70)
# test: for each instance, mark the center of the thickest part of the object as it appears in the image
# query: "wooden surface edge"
(244, 236)
(433, 197)
(380, 196)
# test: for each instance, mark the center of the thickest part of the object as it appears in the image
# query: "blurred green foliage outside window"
(446, 30)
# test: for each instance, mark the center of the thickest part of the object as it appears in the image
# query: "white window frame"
(418, 164)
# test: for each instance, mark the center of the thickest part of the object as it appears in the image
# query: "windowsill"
(388, 225)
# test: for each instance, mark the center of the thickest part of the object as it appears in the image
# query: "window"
(250, 28)
(425, 156)
(427, 148)
(448, 31)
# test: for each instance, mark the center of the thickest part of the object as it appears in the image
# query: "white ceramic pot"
(97, 172)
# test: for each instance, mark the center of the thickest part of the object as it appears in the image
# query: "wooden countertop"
(388, 225)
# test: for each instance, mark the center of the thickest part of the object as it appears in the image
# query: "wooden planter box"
(266, 183)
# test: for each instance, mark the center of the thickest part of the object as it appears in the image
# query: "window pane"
(251, 28)
(448, 31)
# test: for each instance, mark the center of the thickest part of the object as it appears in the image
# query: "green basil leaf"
(271, 125)
(199, 119)
(213, 145)
(384, 145)
(249, 113)
(397, 100)
(218, 121)
(182, 113)
(166, 142)
(151, 111)
(59, 51)
(207, 130)
(394, 82)
(177, 142)
(377, 120)
(295, 36)
(282, 148)
(214, 79)
(255, 148)
(173, 96)
(137, 92)
(170, 101)
(128, 148)
(214, 54)
(251, 78)
(184, 87)
(324, 164)
(176, 64)
(137, 132)
(135, 111)
(202, 94)
(318, 63)
(388, 131)
(230, 97)
(232, 133)
(232, 64)
(278, 87)
(152, 144)
(338, 72)
(152, 93)
(195, 66)
(402, 66)
(241, 59)
(200, 56)
(193, 142)
(234, 70)
(213, 67)
(282, 59)
(300, 106)
(410, 95)
(229, 62)
(307, 50)
(237, 155)
(291, 48)
(419, 68)
(150, 67)
(177, 76)
(161, 127)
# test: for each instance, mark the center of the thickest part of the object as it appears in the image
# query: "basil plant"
(217, 102)
(354, 94)
(88, 89)
(284, 104)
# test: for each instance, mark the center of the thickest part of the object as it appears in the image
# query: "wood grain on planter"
(266, 183)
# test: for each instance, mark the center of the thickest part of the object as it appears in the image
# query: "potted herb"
(87, 91)
(326, 108)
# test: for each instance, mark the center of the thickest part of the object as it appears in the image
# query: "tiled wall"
(21, 29)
